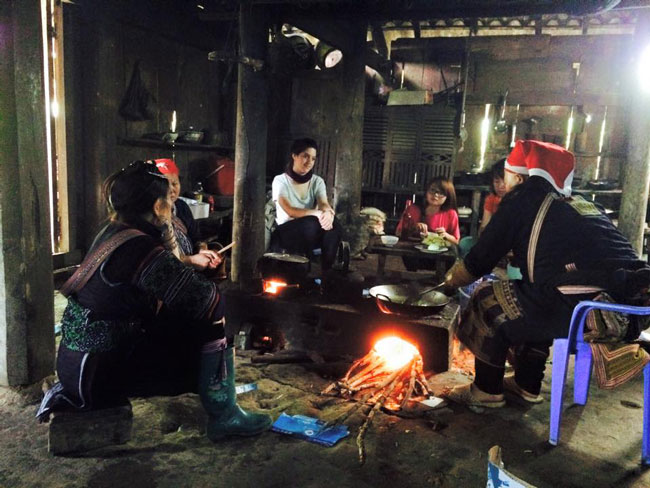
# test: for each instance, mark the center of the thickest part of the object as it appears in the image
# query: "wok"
(398, 299)
(290, 267)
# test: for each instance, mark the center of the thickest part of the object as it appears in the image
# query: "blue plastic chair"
(465, 244)
(574, 344)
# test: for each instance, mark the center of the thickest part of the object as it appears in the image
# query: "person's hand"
(442, 232)
(449, 289)
(204, 259)
(326, 219)
(214, 257)
(422, 229)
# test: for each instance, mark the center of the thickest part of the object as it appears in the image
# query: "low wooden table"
(443, 260)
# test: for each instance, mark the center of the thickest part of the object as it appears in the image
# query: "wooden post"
(250, 148)
(636, 172)
(26, 287)
(347, 180)
(102, 90)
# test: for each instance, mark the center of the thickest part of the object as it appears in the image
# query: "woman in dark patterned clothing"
(568, 251)
(186, 228)
(139, 321)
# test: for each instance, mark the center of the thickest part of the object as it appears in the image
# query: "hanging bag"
(136, 101)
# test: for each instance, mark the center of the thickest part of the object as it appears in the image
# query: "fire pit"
(389, 376)
(283, 274)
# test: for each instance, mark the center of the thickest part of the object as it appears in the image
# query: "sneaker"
(511, 386)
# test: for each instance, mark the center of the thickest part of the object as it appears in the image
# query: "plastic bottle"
(407, 220)
(198, 192)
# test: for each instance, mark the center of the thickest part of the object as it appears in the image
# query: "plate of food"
(431, 248)
(432, 243)
(434, 238)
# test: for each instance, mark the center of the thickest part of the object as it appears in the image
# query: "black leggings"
(303, 235)
(529, 361)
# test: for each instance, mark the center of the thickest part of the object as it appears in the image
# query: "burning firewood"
(389, 376)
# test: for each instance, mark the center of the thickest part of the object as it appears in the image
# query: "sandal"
(511, 386)
(464, 396)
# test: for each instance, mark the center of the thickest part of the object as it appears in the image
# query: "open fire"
(275, 287)
(389, 376)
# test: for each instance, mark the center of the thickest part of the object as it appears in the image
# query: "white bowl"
(389, 241)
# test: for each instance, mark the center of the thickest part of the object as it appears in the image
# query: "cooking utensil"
(413, 298)
(392, 299)
(289, 267)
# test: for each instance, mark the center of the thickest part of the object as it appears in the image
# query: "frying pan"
(397, 299)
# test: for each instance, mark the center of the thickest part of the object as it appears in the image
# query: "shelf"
(176, 146)
(587, 191)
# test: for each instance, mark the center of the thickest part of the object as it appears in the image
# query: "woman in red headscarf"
(568, 251)
(186, 229)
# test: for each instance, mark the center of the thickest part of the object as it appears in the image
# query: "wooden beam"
(347, 181)
(416, 29)
(636, 171)
(26, 286)
(379, 39)
(547, 98)
(377, 62)
(250, 149)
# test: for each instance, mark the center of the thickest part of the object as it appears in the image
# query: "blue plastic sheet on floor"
(310, 429)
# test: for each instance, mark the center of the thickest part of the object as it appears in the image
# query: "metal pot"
(399, 299)
(291, 268)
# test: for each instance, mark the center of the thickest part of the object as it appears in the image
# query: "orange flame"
(395, 352)
(273, 287)
(462, 359)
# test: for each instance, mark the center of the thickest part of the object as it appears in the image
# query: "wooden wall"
(309, 108)
(539, 74)
(102, 44)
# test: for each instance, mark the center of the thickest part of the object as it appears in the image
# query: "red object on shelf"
(222, 182)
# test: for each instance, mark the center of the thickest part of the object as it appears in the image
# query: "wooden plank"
(26, 287)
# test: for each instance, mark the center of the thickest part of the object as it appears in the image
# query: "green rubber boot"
(217, 392)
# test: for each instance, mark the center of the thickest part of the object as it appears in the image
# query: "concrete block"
(74, 432)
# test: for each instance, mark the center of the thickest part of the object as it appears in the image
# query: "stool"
(73, 432)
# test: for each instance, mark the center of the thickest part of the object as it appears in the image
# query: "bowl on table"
(389, 241)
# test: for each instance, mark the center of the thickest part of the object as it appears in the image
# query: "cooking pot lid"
(289, 258)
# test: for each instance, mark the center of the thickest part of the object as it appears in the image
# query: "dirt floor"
(600, 444)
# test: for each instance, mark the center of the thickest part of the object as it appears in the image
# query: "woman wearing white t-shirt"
(304, 216)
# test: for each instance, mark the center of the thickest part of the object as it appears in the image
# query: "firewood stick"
(369, 369)
(362, 431)
(329, 388)
(358, 364)
(370, 376)
(409, 390)
(342, 418)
